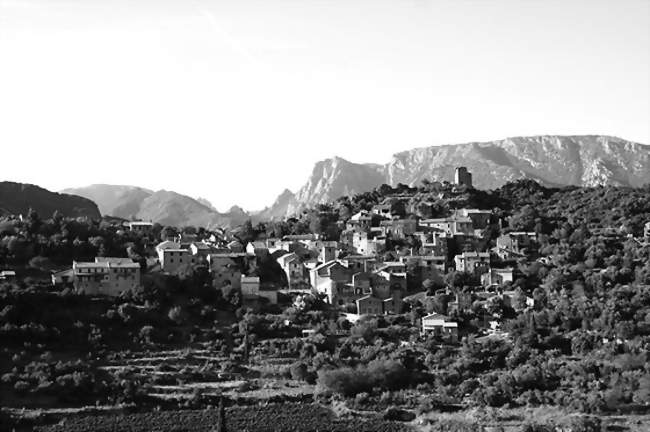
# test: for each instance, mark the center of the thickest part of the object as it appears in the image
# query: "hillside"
(18, 198)
(584, 160)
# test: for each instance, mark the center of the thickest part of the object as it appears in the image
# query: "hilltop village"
(363, 272)
(406, 301)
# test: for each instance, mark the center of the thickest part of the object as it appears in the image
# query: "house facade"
(105, 276)
(293, 269)
(140, 226)
(370, 305)
(441, 326)
(515, 244)
(250, 287)
(473, 262)
(227, 276)
(496, 277)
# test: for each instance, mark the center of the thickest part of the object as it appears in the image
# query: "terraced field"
(180, 375)
(269, 418)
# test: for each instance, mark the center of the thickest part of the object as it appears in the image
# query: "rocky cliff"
(585, 160)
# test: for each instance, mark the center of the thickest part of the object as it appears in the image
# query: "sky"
(234, 101)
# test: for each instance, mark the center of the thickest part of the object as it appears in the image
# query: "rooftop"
(168, 244)
(118, 263)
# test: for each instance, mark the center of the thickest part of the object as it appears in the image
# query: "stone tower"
(463, 177)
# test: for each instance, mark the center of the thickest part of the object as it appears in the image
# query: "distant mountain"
(206, 203)
(329, 180)
(336, 177)
(114, 200)
(18, 198)
(164, 207)
(280, 208)
(584, 160)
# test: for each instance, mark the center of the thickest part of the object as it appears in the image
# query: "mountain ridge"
(554, 160)
(163, 206)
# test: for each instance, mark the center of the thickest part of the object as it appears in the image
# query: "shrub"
(299, 371)
(21, 386)
(380, 374)
(586, 424)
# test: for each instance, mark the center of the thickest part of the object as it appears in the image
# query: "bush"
(378, 374)
(21, 386)
(534, 427)
(299, 372)
(176, 314)
(397, 414)
(586, 424)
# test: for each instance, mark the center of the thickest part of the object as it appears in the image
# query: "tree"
(167, 232)
(525, 219)
(33, 221)
(247, 233)
(437, 304)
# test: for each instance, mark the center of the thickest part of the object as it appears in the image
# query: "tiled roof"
(168, 244)
(287, 258)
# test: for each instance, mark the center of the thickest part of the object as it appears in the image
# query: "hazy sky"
(235, 100)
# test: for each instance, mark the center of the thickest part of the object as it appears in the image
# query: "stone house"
(105, 276)
(370, 305)
(256, 248)
(174, 259)
(399, 228)
(228, 275)
(515, 244)
(293, 269)
(383, 210)
(497, 277)
(441, 326)
(473, 262)
(480, 218)
(140, 226)
(250, 286)
(331, 277)
(360, 221)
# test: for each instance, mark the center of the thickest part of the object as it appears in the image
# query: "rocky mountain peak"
(555, 160)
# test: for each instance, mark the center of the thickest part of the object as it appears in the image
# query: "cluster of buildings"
(360, 273)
